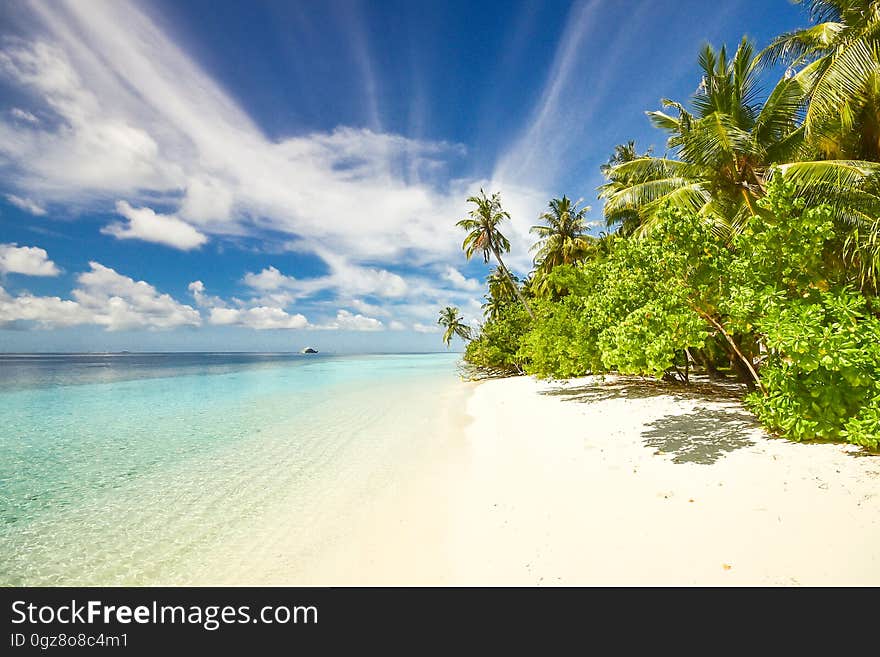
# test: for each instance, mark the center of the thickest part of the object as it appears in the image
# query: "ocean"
(201, 468)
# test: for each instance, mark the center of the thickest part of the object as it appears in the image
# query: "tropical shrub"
(821, 371)
(495, 347)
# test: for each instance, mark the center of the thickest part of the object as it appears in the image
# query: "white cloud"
(368, 308)
(103, 297)
(344, 277)
(395, 325)
(425, 328)
(23, 115)
(138, 118)
(458, 279)
(46, 311)
(346, 321)
(259, 317)
(29, 260)
(262, 313)
(134, 117)
(203, 300)
(26, 204)
(268, 279)
(147, 225)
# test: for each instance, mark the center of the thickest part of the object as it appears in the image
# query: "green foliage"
(453, 323)
(823, 369)
(495, 348)
(562, 340)
(562, 238)
(777, 289)
(622, 313)
(755, 238)
(822, 340)
(649, 339)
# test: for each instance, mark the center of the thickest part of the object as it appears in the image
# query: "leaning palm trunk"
(513, 284)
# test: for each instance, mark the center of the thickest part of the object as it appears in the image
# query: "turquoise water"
(163, 468)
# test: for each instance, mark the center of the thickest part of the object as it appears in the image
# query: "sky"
(270, 175)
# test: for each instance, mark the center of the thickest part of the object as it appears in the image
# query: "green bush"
(779, 289)
(495, 347)
(822, 367)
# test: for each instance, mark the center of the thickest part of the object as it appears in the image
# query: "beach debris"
(726, 566)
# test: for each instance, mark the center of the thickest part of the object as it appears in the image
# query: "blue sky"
(268, 175)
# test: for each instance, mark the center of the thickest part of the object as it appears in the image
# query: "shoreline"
(582, 482)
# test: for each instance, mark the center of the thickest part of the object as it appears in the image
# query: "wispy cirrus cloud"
(163, 126)
(131, 116)
(26, 204)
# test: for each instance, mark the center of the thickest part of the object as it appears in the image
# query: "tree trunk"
(745, 361)
(513, 284)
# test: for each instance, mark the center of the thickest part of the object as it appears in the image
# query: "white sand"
(616, 483)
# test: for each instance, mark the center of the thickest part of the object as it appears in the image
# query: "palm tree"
(838, 60)
(725, 148)
(564, 239)
(501, 293)
(451, 319)
(626, 219)
(493, 307)
(483, 235)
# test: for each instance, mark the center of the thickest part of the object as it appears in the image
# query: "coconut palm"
(500, 286)
(493, 307)
(501, 293)
(725, 147)
(453, 322)
(626, 219)
(563, 240)
(483, 235)
(838, 59)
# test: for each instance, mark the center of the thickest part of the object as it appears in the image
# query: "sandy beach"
(616, 482)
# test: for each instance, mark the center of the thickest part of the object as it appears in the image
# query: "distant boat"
(309, 350)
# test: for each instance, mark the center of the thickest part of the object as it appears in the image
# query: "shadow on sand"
(702, 436)
(638, 388)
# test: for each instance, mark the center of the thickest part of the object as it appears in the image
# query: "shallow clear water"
(168, 468)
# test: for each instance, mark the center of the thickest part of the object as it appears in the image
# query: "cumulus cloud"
(458, 279)
(344, 277)
(28, 260)
(26, 204)
(396, 325)
(259, 317)
(346, 321)
(105, 298)
(202, 299)
(368, 308)
(260, 313)
(147, 225)
(268, 279)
